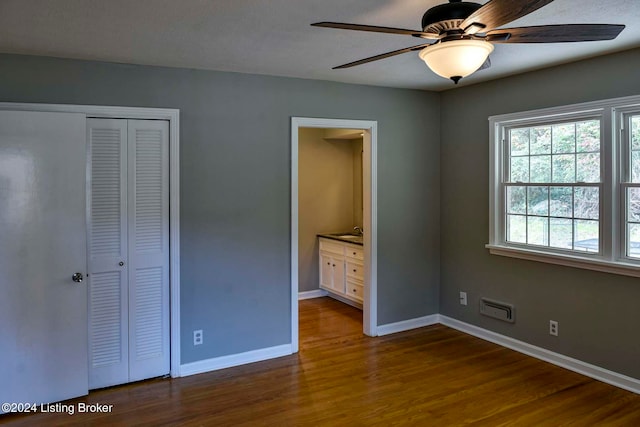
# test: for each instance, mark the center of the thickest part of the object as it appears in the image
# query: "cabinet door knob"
(354, 270)
(334, 265)
(354, 253)
(328, 263)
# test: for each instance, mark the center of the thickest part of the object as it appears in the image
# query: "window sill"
(614, 267)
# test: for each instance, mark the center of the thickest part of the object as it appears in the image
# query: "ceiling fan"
(462, 34)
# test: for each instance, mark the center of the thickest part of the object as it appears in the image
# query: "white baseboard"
(601, 374)
(584, 368)
(345, 300)
(405, 325)
(316, 293)
(222, 362)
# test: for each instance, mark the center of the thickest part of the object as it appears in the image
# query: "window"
(552, 186)
(565, 185)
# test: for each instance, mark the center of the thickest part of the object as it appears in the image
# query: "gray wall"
(597, 312)
(235, 226)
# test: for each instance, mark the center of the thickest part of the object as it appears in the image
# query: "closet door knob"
(77, 277)
(121, 263)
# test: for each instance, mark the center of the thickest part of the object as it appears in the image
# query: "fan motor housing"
(448, 16)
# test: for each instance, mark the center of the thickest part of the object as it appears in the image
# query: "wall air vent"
(497, 310)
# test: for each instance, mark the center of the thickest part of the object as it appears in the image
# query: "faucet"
(358, 230)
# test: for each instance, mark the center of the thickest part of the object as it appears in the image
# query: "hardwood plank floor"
(433, 376)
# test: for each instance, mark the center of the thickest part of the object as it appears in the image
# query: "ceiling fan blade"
(497, 13)
(376, 29)
(383, 55)
(555, 33)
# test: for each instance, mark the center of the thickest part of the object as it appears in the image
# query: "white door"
(128, 250)
(338, 274)
(107, 237)
(43, 312)
(148, 223)
(326, 271)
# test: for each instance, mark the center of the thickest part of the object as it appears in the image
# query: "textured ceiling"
(273, 37)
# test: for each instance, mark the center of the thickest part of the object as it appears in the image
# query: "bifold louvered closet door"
(128, 237)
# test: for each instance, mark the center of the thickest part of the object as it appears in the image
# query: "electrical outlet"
(553, 328)
(198, 337)
(463, 298)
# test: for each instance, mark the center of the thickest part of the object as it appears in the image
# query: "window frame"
(614, 168)
(623, 123)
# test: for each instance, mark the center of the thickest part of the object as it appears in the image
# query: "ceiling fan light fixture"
(456, 59)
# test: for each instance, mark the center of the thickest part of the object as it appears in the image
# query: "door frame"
(369, 217)
(173, 117)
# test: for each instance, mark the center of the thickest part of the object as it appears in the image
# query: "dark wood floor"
(433, 376)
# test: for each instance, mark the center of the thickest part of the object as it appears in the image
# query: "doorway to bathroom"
(348, 232)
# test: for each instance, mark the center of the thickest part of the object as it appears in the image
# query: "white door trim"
(173, 116)
(370, 217)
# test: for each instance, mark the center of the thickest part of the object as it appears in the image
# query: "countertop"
(356, 239)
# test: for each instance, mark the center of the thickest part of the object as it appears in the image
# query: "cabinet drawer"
(354, 252)
(327, 245)
(355, 290)
(355, 270)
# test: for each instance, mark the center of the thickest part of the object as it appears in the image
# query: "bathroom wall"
(325, 196)
(356, 145)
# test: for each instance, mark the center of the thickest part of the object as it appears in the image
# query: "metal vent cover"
(497, 310)
(443, 26)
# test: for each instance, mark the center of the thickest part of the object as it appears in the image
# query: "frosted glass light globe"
(456, 58)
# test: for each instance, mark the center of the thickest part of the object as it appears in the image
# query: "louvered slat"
(105, 339)
(105, 192)
(149, 187)
(149, 313)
